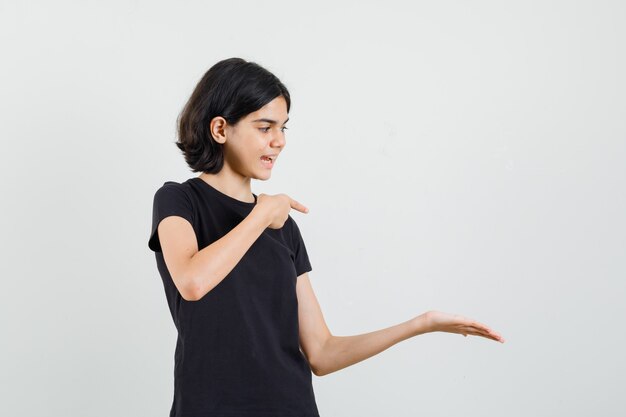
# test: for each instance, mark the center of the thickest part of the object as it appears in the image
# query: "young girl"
(235, 267)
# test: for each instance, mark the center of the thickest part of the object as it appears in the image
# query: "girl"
(235, 267)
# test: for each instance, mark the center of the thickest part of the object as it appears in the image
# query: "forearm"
(340, 352)
(210, 265)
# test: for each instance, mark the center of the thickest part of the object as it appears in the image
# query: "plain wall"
(468, 157)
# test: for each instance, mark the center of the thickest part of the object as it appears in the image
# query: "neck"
(231, 184)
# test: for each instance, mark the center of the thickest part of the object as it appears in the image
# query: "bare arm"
(196, 272)
(209, 266)
(328, 353)
(339, 352)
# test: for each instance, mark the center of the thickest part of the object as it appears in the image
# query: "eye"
(266, 129)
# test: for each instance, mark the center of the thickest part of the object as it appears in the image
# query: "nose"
(279, 140)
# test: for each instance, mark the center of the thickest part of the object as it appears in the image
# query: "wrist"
(422, 324)
(261, 213)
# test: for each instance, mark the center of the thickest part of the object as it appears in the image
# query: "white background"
(468, 157)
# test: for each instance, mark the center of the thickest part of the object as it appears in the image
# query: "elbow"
(185, 281)
(190, 290)
(192, 287)
(194, 290)
(318, 371)
(189, 295)
(317, 363)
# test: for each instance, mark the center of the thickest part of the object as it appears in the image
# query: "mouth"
(268, 160)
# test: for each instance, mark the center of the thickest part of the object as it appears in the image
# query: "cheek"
(261, 146)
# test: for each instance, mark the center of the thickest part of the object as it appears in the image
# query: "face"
(259, 133)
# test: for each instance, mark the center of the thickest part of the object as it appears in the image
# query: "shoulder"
(173, 196)
(173, 189)
(169, 185)
(292, 228)
(170, 199)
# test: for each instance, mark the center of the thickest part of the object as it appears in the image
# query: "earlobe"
(219, 139)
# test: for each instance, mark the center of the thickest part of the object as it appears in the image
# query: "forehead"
(273, 112)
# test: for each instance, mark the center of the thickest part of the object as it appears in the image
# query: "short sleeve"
(301, 260)
(169, 200)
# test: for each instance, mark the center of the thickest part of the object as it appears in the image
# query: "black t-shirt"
(237, 352)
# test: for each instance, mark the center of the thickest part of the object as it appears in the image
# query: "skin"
(195, 272)
(243, 145)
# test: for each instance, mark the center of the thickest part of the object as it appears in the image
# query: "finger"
(484, 328)
(479, 325)
(490, 335)
(478, 331)
(495, 335)
(299, 206)
(487, 336)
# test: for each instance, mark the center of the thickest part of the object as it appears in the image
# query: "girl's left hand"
(437, 321)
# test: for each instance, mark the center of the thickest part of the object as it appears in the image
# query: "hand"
(437, 321)
(278, 207)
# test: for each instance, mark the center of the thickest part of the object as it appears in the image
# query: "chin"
(263, 177)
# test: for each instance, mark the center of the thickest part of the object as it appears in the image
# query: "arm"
(342, 351)
(327, 353)
(194, 272)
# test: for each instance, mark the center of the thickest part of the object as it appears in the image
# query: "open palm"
(453, 323)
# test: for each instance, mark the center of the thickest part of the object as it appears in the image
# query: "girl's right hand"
(278, 207)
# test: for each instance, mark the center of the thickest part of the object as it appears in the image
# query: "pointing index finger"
(299, 206)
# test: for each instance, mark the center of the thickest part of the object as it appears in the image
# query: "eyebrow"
(270, 121)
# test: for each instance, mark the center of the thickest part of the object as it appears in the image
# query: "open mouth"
(267, 158)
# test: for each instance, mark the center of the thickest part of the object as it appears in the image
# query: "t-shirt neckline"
(226, 196)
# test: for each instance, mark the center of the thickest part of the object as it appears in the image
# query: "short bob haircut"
(232, 88)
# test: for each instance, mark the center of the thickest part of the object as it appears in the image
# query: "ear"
(217, 128)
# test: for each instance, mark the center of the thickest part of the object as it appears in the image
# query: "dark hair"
(232, 88)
